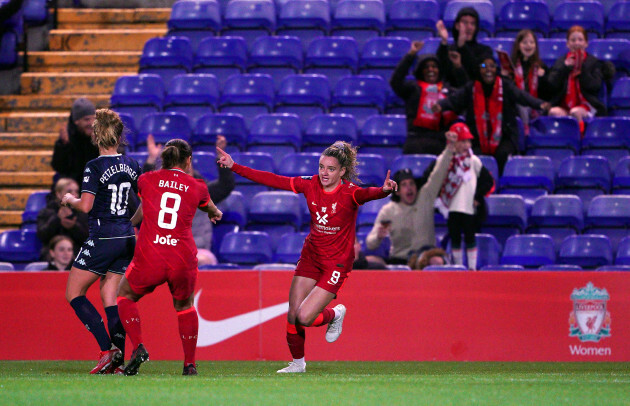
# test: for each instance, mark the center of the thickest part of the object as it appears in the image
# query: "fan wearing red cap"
(456, 200)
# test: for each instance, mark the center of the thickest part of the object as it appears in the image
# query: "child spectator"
(60, 253)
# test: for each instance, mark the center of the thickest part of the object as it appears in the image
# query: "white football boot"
(293, 367)
(333, 331)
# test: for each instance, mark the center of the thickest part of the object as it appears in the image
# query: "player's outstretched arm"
(389, 185)
(262, 177)
(372, 193)
(214, 214)
(83, 204)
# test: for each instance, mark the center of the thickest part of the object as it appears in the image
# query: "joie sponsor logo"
(589, 320)
(165, 240)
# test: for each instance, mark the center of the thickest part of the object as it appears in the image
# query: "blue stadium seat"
(195, 20)
(615, 50)
(607, 132)
(413, 19)
(246, 247)
(8, 49)
(234, 209)
(499, 268)
(219, 231)
(140, 157)
(613, 268)
(561, 267)
(485, 8)
(304, 95)
(249, 19)
(609, 215)
(623, 252)
(35, 12)
(222, 57)
(275, 231)
(275, 208)
(516, 15)
(618, 17)
(276, 129)
(163, 127)
(359, 19)
(277, 152)
(291, 248)
(35, 202)
(334, 57)
(450, 267)
(6, 266)
(230, 125)
(369, 211)
(205, 162)
(19, 246)
(418, 163)
(587, 251)
(621, 178)
(379, 56)
(550, 49)
(557, 155)
(167, 57)
(300, 164)
(558, 216)
(381, 251)
(619, 101)
(138, 95)
(130, 129)
(248, 94)
(193, 94)
(588, 14)
(503, 44)
(584, 171)
(371, 169)
(385, 130)
(554, 132)
(324, 129)
(276, 56)
(506, 216)
(36, 266)
(530, 250)
(223, 266)
(391, 267)
(305, 19)
(488, 250)
(491, 165)
(361, 96)
(274, 267)
(612, 155)
(255, 160)
(528, 172)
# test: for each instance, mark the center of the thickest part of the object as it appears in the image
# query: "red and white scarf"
(429, 95)
(458, 173)
(574, 96)
(532, 78)
(489, 115)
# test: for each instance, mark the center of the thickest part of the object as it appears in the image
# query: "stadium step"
(10, 218)
(48, 102)
(15, 199)
(17, 161)
(113, 17)
(27, 179)
(89, 61)
(30, 141)
(70, 83)
(38, 121)
(102, 40)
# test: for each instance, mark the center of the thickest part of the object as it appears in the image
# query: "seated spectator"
(425, 129)
(529, 72)
(490, 106)
(458, 61)
(218, 189)
(74, 148)
(457, 200)
(408, 218)
(577, 79)
(60, 253)
(205, 256)
(428, 256)
(55, 219)
(362, 261)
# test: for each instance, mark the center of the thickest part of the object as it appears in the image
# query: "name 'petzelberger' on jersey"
(114, 169)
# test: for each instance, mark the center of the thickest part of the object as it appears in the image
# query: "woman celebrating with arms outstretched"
(328, 251)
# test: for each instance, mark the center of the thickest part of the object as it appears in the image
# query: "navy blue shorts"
(102, 255)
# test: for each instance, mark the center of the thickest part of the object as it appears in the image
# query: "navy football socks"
(115, 327)
(92, 320)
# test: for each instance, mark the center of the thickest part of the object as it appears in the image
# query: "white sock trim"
(299, 361)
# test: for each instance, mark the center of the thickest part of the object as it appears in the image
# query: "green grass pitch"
(51, 383)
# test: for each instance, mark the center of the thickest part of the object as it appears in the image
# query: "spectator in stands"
(408, 218)
(490, 106)
(458, 198)
(218, 189)
(428, 256)
(55, 219)
(60, 253)
(577, 80)
(362, 261)
(528, 71)
(458, 62)
(425, 129)
(74, 148)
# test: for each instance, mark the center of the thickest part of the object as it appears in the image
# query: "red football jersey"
(170, 198)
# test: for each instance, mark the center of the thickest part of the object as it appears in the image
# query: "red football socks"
(296, 336)
(188, 330)
(324, 317)
(130, 319)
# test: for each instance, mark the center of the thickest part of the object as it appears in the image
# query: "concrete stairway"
(90, 49)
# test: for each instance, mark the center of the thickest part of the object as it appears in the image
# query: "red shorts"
(144, 278)
(330, 275)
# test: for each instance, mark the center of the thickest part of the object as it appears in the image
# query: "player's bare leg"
(313, 312)
(188, 330)
(130, 317)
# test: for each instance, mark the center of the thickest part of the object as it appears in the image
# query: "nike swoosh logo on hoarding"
(214, 331)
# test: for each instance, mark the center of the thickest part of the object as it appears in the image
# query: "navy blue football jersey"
(111, 178)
